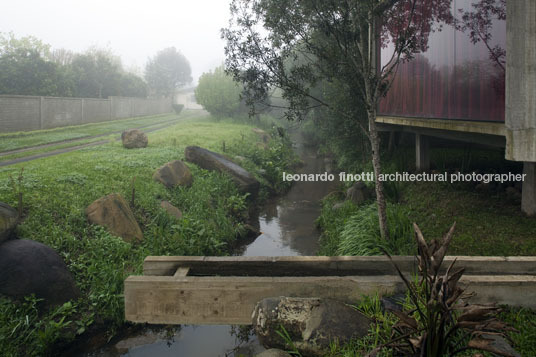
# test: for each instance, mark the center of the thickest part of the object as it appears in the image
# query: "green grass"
(19, 140)
(486, 224)
(57, 190)
(523, 339)
(42, 150)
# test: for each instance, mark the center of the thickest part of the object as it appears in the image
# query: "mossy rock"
(8, 221)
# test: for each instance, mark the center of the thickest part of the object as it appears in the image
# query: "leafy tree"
(218, 93)
(132, 86)
(97, 74)
(9, 44)
(29, 67)
(305, 42)
(167, 71)
(24, 69)
(62, 56)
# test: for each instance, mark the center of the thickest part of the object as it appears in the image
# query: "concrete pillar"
(41, 114)
(520, 116)
(422, 153)
(528, 196)
(82, 114)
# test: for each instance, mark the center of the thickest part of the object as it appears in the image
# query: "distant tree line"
(29, 67)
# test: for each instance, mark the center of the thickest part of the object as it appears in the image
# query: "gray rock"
(8, 221)
(28, 267)
(174, 173)
(394, 302)
(134, 139)
(358, 193)
(114, 213)
(213, 161)
(273, 352)
(337, 206)
(496, 344)
(311, 323)
(171, 210)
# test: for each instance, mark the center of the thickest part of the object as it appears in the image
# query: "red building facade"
(458, 71)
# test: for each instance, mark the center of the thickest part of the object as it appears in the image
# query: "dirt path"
(77, 147)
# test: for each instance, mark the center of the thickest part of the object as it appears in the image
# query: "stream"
(287, 229)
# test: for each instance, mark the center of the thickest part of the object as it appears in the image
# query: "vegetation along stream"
(287, 228)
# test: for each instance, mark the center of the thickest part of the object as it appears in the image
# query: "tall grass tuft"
(361, 233)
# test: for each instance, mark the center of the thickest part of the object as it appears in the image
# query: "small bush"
(178, 108)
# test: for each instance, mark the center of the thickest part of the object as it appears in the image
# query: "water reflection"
(457, 70)
(187, 341)
(287, 224)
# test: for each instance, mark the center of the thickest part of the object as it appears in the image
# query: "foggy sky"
(133, 29)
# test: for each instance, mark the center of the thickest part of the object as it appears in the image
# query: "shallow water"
(287, 229)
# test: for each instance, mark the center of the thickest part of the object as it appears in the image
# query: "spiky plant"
(440, 323)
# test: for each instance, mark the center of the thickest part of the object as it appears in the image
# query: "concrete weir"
(224, 290)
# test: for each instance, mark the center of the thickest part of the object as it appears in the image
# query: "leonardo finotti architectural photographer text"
(407, 177)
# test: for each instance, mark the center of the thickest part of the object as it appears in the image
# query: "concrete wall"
(97, 110)
(60, 112)
(19, 113)
(25, 113)
(121, 107)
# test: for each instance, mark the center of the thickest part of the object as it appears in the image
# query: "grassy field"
(20, 140)
(57, 189)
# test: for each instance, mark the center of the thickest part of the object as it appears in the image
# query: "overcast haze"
(134, 30)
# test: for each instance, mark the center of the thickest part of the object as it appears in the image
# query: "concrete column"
(520, 116)
(528, 196)
(82, 109)
(422, 153)
(41, 114)
(112, 107)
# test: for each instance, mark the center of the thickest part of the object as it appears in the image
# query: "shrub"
(178, 108)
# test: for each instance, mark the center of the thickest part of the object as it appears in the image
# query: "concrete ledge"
(477, 127)
(333, 266)
(231, 300)
(224, 290)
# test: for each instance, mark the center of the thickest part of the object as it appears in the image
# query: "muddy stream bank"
(287, 229)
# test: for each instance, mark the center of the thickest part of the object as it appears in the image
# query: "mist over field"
(132, 30)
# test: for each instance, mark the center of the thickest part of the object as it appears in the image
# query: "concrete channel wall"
(25, 113)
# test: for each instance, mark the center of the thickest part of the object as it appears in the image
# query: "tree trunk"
(376, 164)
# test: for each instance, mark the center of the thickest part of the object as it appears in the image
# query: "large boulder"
(113, 212)
(311, 323)
(171, 210)
(210, 160)
(28, 267)
(8, 221)
(134, 139)
(174, 173)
